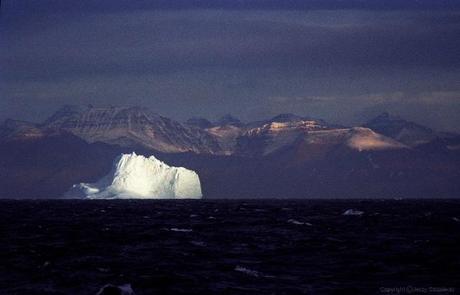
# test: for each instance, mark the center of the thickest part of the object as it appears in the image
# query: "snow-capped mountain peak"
(132, 126)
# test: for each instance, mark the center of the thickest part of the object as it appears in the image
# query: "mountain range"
(284, 156)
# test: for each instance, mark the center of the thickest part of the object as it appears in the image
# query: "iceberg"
(138, 177)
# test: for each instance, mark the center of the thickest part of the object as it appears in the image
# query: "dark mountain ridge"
(286, 156)
(407, 132)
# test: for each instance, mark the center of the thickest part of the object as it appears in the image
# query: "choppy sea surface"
(230, 247)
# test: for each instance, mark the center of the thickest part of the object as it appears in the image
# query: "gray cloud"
(158, 42)
(211, 61)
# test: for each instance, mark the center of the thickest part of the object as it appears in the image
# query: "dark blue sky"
(344, 61)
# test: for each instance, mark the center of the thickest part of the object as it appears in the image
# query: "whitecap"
(112, 289)
(247, 271)
(353, 212)
(296, 222)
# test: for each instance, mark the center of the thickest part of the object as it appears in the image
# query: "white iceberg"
(135, 176)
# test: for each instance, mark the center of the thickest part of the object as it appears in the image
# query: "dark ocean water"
(230, 247)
